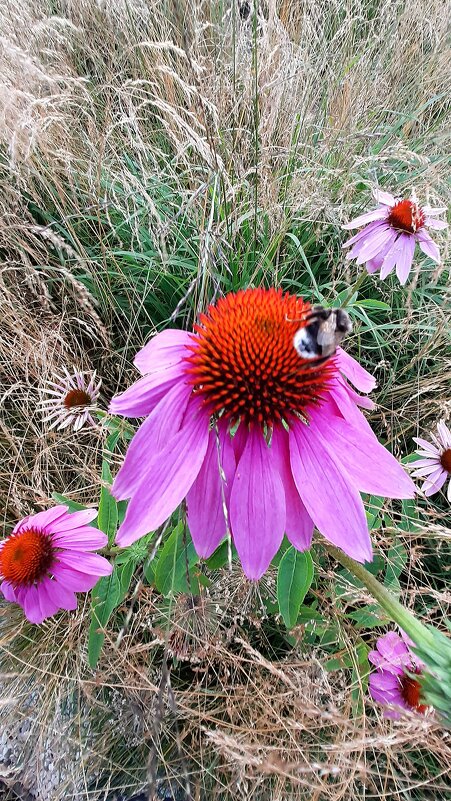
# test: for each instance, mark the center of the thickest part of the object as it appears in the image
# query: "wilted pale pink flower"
(390, 234)
(391, 684)
(435, 466)
(294, 448)
(47, 559)
(73, 398)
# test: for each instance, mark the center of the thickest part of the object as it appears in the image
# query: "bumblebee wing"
(326, 333)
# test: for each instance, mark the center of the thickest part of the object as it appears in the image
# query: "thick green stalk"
(418, 632)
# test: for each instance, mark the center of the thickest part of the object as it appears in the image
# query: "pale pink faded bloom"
(294, 448)
(391, 685)
(47, 559)
(73, 397)
(390, 234)
(434, 466)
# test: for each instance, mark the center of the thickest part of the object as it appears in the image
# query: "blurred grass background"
(152, 157)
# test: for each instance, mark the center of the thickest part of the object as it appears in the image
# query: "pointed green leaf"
(108, 514)
(174, 571)
(105, 597)
(294, 578)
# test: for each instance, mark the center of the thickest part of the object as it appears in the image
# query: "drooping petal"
(29, 600)
(62, 595)
(257, 506)
(386, 198)
(206, 498)
(8, 591)
(444, 434)
(164, 350)
(299, 525)
(370, 466)
(404, 263)
(393, 255)
(375, 244)
(354, 372)
(73, 579)
(427, 245)
(49, 606)
(141, 398)
(170, 473)
(151, 437)
(361, 234)
(369, 216)
(434, 483)
(73, 520)
(331, 500)
(437, 225)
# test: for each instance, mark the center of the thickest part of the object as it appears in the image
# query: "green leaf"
(294, 578)
(73, 505)
(220, 557)
(125, 573)
(174, 569)
(105, 597)
(368, 617)
(396, 562)
(108, 514)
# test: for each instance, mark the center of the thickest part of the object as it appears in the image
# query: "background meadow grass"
(152, 157)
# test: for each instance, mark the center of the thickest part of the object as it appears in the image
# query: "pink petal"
(431, 467)
(8, 591)
(432, 212)
(371, 235)
(385, 681)
(205, 499)
(73, 520)
(393, 255)
(361, 234)
(377, 242)
(431, 461)
(164, 350)
(257, 506)
(42, 519)
(375, 263)
(434, 483)
(82, 539)
(299, 525)
(392, 647)
(90, 563)
(404, 263)
(73, 579)
(170, 473)
(437, 225)
(444, 434)
(427, 245)
(341, 396)
(31, 606)
(139, 399)
(152, 436)
(49, 606)
(61, 595)
(369, 216)
(354, 372)
(332, 502)
(368, 464)
(239, 441)
(428, 446)
(384, 197)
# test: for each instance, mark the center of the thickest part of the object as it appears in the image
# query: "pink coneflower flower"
(391, 684)
(390, 234)
(435, 466)
(47, 559)
(73, 398)
(295, 450)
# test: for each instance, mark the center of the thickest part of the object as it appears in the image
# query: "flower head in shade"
(72, 398)
(393, 684)
(390, 234)
(237, 420)
(434, 466)
(47, 559)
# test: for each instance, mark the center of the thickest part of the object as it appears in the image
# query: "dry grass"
(129, 131)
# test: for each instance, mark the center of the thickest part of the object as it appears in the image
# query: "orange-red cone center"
(406, 216)
(445, 460)
(411, 691)
(26, 557)
(77, 397)
(244, 362)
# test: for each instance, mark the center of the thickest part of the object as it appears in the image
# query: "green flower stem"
(362, 277)
(418, 632)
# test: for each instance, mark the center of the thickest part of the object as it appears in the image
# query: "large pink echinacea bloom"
(294, 449)
(47, 559)
(393, 683)
(390, 234)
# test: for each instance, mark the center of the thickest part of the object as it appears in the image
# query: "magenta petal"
(392, 646)
(73, 520)
(384, 680)
(31, 606)
(257, 506)
(299, 525)
(170, 473)
(8, 591)
(82, 539)
(205, 500)
(404, 263)
(90, 563)
(369, 465)
(49, 606)
(164, 350)
(427, 245)
(151, 437)
(73, 579)
(139, 399)
(354, 372)
(331, 500)
(61, 595)
(42, 519)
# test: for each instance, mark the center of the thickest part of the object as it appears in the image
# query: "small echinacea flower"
(235, 418)
(393, 684)
(47, 559)
(390, 234)
(435, 465)
(72, 399)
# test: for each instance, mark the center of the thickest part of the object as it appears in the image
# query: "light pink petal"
(73, 520)
(374, 264)
(437, 225)
(384, 197)
(369, 216)
(42, 519)
(427, 245)
(342, 397)
(164, 350)
(444, 434)
(354, 372)
(360, 235)
(331, 500)
(257, 506)
(169, 475)
(205, 500)
(90, 563)
(31, 606)
(88, 538)
(428, 446)
(299, 525)
(404, 263)
(139, 399)
(432, 212)
(73, 579)
(448, 494)
(380, 229)
(8, 591)
(152, 436)
(429, 460)
(369, 465)
(385, 681)
(375, 244)
(434, 483)
(380, 662)
(431, 467)
(393, 255)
